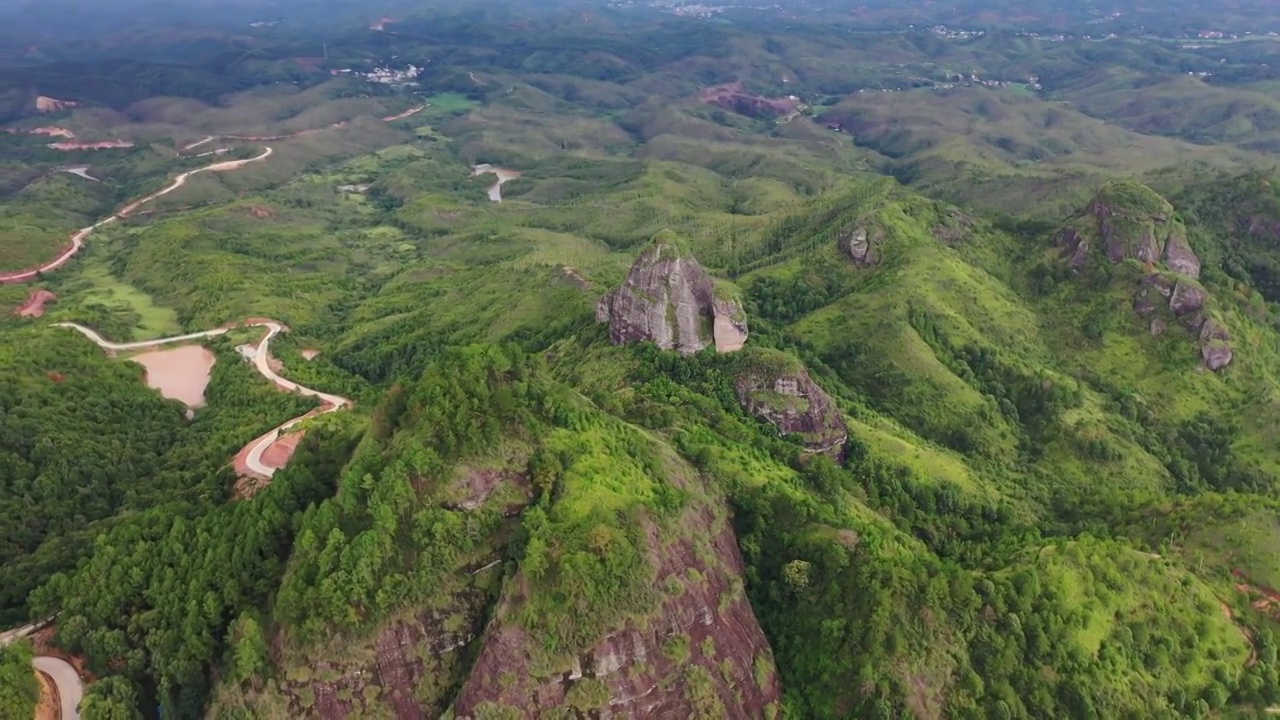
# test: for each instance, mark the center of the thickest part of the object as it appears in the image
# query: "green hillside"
(993, 434)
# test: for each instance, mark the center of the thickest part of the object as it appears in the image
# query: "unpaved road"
(70, 686)
(65, 678)
(77, 239)
(260, 355)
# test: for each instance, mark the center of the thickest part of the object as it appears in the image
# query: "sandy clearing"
(82, 171)
(310, 353)
(180, 373)
(503, 175)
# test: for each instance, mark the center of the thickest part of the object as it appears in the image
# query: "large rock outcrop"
(669, 300)
(1128, 221)
(776, 387)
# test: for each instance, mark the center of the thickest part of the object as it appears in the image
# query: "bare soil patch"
(42, 640)
(503, 175)
(49, 706)
(732, 97)
(53, 131)
(46, 104)
(246, 487)
(574, 277)
(34, 304)
(180, 373)
(279, 452)
(310, 354)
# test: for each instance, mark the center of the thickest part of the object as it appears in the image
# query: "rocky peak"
(669, 300)
(1127, 220)
(1130, 221)
(776, 387)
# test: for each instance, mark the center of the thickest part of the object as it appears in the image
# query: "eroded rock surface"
(669, 300)
(1129, 221)
(861, 246)
(776, 387)
(701, 653)
(1215, 349)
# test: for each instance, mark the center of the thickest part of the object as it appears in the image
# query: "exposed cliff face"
(777, 388)
(405, 671)
(669, 300)
(1130, 221)
(702, 652)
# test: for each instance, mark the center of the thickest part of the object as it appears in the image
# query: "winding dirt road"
(260, 355)
(65, 678)
(78, 238)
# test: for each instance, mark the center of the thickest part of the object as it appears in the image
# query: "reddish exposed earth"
(49, 707)
(278, 455)
(53, 131)
(732, 97)
(34, 305)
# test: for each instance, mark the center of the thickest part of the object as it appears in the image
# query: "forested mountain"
(640, 365)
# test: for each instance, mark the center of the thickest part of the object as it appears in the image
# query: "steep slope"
(777, 388)
(622, 585)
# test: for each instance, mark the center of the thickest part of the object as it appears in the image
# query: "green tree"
(250, 649)
(19, 689)
(112, 698)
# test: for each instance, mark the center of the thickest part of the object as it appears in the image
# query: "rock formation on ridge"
(776, 387)
(668, 299)
(1128, 221)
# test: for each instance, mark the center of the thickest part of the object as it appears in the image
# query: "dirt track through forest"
(260, 355)
(68, 682)
(78, 238)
